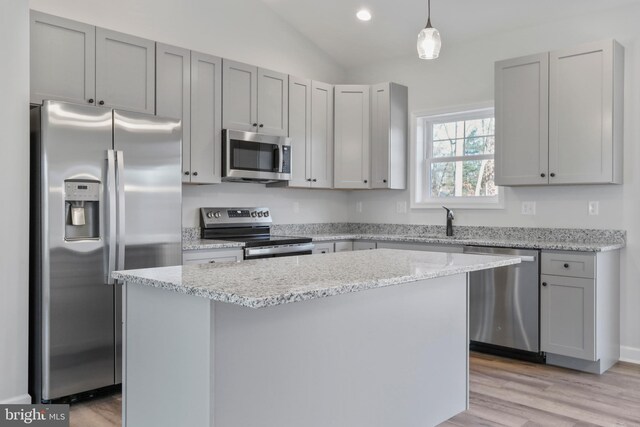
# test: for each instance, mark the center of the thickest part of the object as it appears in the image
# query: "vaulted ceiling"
(392, 31)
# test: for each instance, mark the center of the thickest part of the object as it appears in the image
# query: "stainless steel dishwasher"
(504, 309)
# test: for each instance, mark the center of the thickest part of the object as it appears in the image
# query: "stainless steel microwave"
(254, 157)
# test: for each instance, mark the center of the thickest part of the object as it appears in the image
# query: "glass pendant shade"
(429, 43)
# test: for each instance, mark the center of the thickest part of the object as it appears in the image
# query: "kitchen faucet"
(449, 221)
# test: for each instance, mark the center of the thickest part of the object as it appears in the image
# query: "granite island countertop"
(270, 282)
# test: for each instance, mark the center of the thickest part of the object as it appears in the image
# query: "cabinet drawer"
(343, 246)
(323, 248)
(568, 264)
(212, 256)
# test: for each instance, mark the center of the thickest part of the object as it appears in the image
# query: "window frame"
(421, 129)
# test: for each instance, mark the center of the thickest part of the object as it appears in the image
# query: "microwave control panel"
(286, 159)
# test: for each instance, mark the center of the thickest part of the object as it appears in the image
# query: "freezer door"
(149, 179)
(74, 330)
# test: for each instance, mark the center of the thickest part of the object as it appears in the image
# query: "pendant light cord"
(428, 14)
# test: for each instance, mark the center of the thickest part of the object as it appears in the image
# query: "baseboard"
(630, 354)
(24, 399)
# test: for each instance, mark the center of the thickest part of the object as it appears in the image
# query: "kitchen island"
(369, 338)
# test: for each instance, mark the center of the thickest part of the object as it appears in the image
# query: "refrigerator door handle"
(111, 191)
(121, 208)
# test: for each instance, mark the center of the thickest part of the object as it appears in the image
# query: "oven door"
(278, 251)
(255, 157)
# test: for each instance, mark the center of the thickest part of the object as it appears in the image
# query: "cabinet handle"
(261, 125)
(543, 175)
(308, 179)
(195, 174)
(384, 180)
(187, 173)
(213, 261)
(101, 102)
(552, 174)
(314, 180)
(365, 181)
(90, 101)
(566, 266)
(544, 283)
(254, 125)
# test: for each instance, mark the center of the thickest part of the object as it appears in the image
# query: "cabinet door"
(522, 120)
(343, 246)
(239, 96)
(321, 135)
(273, 102)
(173, 94)
(323, 248)
(581, 110)
(380, 125)
(63, 61)
(363, 246)
(300, 131)
(125, 71)
(567, 316)
(352, 141)
(206, 118)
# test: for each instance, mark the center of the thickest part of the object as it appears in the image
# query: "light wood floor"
(503, 393)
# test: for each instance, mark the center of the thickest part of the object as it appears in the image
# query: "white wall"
(14, 220)
(463, 75)
(242, 30)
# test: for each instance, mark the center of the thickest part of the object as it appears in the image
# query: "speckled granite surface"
(588, 240)
(276, 281)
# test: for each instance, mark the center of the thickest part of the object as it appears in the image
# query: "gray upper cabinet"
(76, 62)
(254, 99)
(522, 120)
(311, 133)
(300, 131)
(389, 122)
(352, 141)
(585, 114)
(62, 59)
(321, 174)
(206, 118)
(559, 117)
(189, 87)
(173, 94)
(125, 71)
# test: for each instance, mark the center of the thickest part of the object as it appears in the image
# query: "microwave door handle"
(277, 155)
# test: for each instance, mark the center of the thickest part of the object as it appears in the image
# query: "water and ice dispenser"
(82, 209)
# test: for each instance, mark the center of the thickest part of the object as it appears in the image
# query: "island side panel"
(167, 358)
(394, 356)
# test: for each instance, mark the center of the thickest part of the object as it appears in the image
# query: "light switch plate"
(528, 208)
(594, 208)
(401, 207)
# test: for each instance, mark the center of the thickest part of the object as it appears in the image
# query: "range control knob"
(210, 215)
(266, 214)
(253, 214)
(260, 214)
(217, 214)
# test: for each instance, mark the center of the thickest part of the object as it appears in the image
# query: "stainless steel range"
(253, 227)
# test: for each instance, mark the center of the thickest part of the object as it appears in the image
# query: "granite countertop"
(532, 242)
(276, 281)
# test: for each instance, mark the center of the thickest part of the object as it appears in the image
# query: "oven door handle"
(278, 250)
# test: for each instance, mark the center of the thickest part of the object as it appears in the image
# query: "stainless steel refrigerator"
(106, 195)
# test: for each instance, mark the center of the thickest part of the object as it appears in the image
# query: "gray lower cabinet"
(580, 309)
(254, 99)
(189, 88)
(364, 245)
(323, 248)
(76, 62)
(343, 246)
(212, 256)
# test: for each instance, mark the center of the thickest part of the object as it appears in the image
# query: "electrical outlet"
(528, 208)
(359, 207)
(594, 208)
(401, 207)
(296, 207)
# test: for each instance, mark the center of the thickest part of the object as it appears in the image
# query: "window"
(455, 160)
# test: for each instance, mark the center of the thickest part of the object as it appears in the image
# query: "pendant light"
(429, 39)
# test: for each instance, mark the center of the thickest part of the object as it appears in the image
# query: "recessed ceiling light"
(364, 15)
